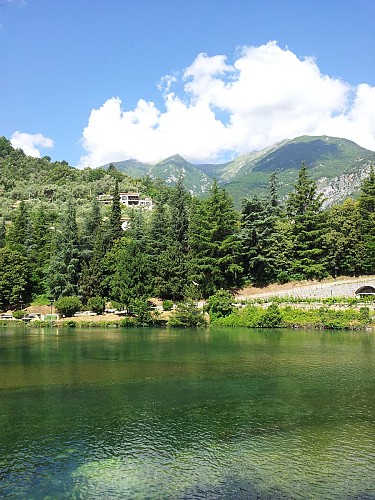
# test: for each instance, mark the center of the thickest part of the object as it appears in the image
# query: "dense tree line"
(184, 247)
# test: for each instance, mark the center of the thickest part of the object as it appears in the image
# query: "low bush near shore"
(293, 317)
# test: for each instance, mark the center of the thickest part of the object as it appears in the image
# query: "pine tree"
(254, 235)
(367, 213)
(2, 233)
(17, 236)
(114, 231)
(343, 239)
(15, 279)
(260, 236)
(92, 224)
(273, 193)
(215, 248)
(127, 265)
(166, 253)
(40, 248)
(64, 269)
(92, 279)
(129, 270)
(305, 210)
(179, 203)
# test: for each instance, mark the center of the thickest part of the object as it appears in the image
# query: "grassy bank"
(252, 315)
(77, 323)
(273, 316)
(299, 301)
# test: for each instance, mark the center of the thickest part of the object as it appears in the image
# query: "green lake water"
(187, 414)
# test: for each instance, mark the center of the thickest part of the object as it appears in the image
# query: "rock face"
(343, 186)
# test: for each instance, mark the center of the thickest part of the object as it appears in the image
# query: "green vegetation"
(220, 304)
(187, 315)
(18, 314)
(248, 175)
(295, 317)
(68, 306)
(96, 305)
(327, 157)
(304, 208)
(167, 305)
(288, 299)
(58, 243)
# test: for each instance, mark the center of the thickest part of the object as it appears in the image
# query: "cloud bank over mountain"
(267, 94)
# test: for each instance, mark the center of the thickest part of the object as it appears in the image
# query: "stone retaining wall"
(339, 288)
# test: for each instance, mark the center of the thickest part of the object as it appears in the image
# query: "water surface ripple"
(209, 414)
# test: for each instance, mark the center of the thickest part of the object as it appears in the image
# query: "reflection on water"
(224, 414)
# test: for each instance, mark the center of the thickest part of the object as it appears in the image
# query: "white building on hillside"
(131, 200)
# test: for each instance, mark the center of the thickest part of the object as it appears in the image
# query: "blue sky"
(93, 81)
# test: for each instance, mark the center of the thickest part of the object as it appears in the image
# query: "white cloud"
(266, 95)
(29, 142)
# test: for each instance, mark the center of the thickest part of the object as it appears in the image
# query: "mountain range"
(337, 165)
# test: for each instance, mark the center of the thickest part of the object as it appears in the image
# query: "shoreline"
(303, 298)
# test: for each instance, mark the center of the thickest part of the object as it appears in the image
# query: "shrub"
(283, 277)
(41, 300)
(271, 318)
(69, 323)
(41, 324)
(220, 304)
(167, 305)
(18, 314)
(127, 322)
(187, 315)
(67, 306)
(364, 314)
(6, 323)
(141, 309)
(96, 305)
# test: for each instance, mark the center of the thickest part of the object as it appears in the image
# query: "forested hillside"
(57, 240)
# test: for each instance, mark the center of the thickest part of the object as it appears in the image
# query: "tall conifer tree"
(128, 265)
(114, 231)
(260, 235)
(17, 236)
(215, 257)
(41, 247)
(64, 268)
(305, 210)
(343, 239)
(92, 224)
(367, 213)
(2, 233)
(92, 279)
(169, 242)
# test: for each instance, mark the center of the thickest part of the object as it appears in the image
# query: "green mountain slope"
(338, 165)
(332, 162)
(170, 169)
(38, 181)
(132, 168)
